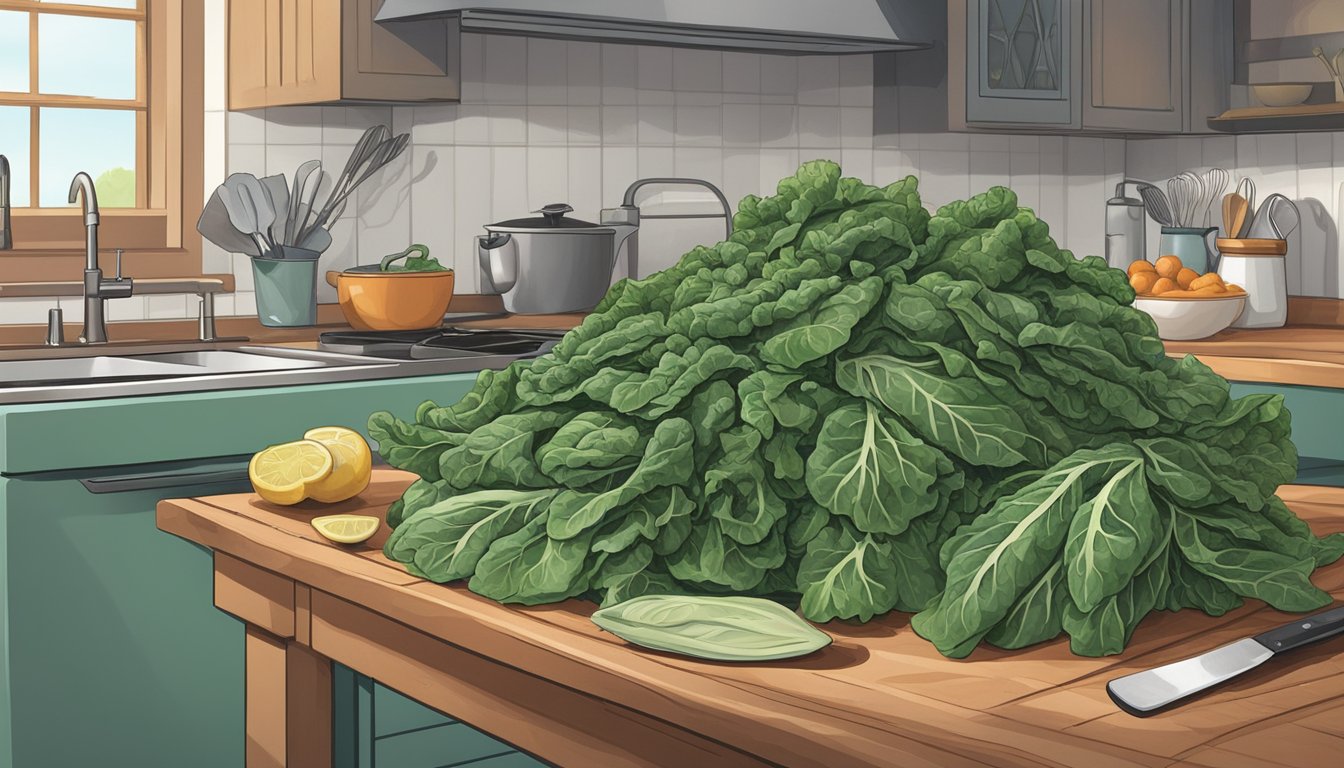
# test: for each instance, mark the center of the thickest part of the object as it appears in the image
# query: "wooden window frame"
(159, 236)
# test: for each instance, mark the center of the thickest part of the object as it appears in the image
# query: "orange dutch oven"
(376, 299)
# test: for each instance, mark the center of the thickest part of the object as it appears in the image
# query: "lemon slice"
(347, 529)
(282, 473)
(352, 468)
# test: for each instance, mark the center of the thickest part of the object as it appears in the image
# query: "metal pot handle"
(498, 255)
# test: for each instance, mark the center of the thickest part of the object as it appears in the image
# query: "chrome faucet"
(96, 289)
(6, 233)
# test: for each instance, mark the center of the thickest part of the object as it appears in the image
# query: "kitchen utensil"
(1246, 188)
(374, 151)
(1215, 184)
(1186, 192)
(1156, 203)
(1192, 317)
(277, 193)
(1276, 219)
(1144, 693)
(375, 300)
(249, 210)
(215, 225)
(1189, 243)
(1258, 266)
(1282, 94)
(305, 189)
(552, 263)
(1235, 209)
(1125, 222)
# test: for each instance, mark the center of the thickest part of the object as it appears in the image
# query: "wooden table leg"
(288, 703)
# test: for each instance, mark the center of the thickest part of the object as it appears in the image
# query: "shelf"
(1301, 117)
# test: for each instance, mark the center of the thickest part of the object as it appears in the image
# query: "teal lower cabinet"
(1318, 428)
(376, 727)
(112, 653)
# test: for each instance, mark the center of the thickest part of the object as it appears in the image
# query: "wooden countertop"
(879, 695)
(1307, 356)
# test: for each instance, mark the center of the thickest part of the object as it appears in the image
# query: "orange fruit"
(1163, 285)
(1168, 266)
(1142, 265)
(1185, 277)
(1142, 282)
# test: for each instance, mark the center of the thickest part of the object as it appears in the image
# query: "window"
(112, 88)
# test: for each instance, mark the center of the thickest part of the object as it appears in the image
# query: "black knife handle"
(1305, 630)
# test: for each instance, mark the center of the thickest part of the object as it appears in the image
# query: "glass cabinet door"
(1021, 57)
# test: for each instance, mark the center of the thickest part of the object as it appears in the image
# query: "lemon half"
(353, 464)
(347, 529)
(282, 474)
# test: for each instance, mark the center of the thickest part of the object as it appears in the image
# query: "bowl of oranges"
(1184, 304)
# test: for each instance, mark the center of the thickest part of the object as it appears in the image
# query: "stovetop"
(441, 343)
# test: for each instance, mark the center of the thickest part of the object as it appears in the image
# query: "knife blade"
(1145, 693)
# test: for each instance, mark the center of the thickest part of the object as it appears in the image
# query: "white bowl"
(1183, 319)
(1282, 94)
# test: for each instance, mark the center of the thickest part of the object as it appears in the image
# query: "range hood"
(796, 27)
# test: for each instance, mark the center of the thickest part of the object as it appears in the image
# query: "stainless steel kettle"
(551, 263)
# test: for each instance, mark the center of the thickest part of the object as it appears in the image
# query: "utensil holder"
(1190, 244)
(1258, 266)
(287, 288)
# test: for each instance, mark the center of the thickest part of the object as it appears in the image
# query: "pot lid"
(552, 217)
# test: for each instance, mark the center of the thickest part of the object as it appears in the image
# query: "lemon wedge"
(352, 468)
(347, 529)
(281, 474)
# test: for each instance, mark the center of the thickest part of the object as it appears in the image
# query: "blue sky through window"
(83, 56)
(13, 51)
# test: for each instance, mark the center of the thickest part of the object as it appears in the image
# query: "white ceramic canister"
(1258, 266)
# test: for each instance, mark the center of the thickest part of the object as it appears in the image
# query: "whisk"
(1186, 193)
(1215, 185)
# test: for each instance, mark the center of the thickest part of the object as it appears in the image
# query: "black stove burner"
(440, 343)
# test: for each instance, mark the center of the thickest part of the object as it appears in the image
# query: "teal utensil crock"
(1191, 244)
(287, 288)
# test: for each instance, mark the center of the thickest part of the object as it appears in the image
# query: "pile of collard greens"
(854, 407)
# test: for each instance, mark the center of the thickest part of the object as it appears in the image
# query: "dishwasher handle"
(150, 481)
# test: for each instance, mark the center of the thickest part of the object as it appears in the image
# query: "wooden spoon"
(1235, 208)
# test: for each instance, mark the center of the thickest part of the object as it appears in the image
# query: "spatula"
(1235, 208)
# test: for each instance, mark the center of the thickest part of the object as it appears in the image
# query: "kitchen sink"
(48, 372)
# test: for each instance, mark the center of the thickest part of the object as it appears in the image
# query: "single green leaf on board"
(742, 629)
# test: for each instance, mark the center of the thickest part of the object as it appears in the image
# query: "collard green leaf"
(869, 468)
(1037, 615)
(1110, 536)
(957, 415)
(1006, 550)
(531, 568)
(718, 628)
(847, 574)
(1280, 580)
(446, 540)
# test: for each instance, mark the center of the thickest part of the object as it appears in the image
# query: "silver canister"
(1125, 238)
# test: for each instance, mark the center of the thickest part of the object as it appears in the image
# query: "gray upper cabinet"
(1088, 66)
(1022, 61)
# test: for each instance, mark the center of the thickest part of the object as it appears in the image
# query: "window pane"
(100, 142)
(14, 146)
(101, 3)
(13, 51)
(82, 56)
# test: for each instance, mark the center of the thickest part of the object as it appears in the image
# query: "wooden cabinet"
(1090, 66)
(286, 52)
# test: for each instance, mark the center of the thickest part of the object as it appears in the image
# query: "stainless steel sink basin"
(228, 361)
(29, 373)
(58, 375)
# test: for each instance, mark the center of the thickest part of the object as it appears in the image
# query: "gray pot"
(549, 263)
